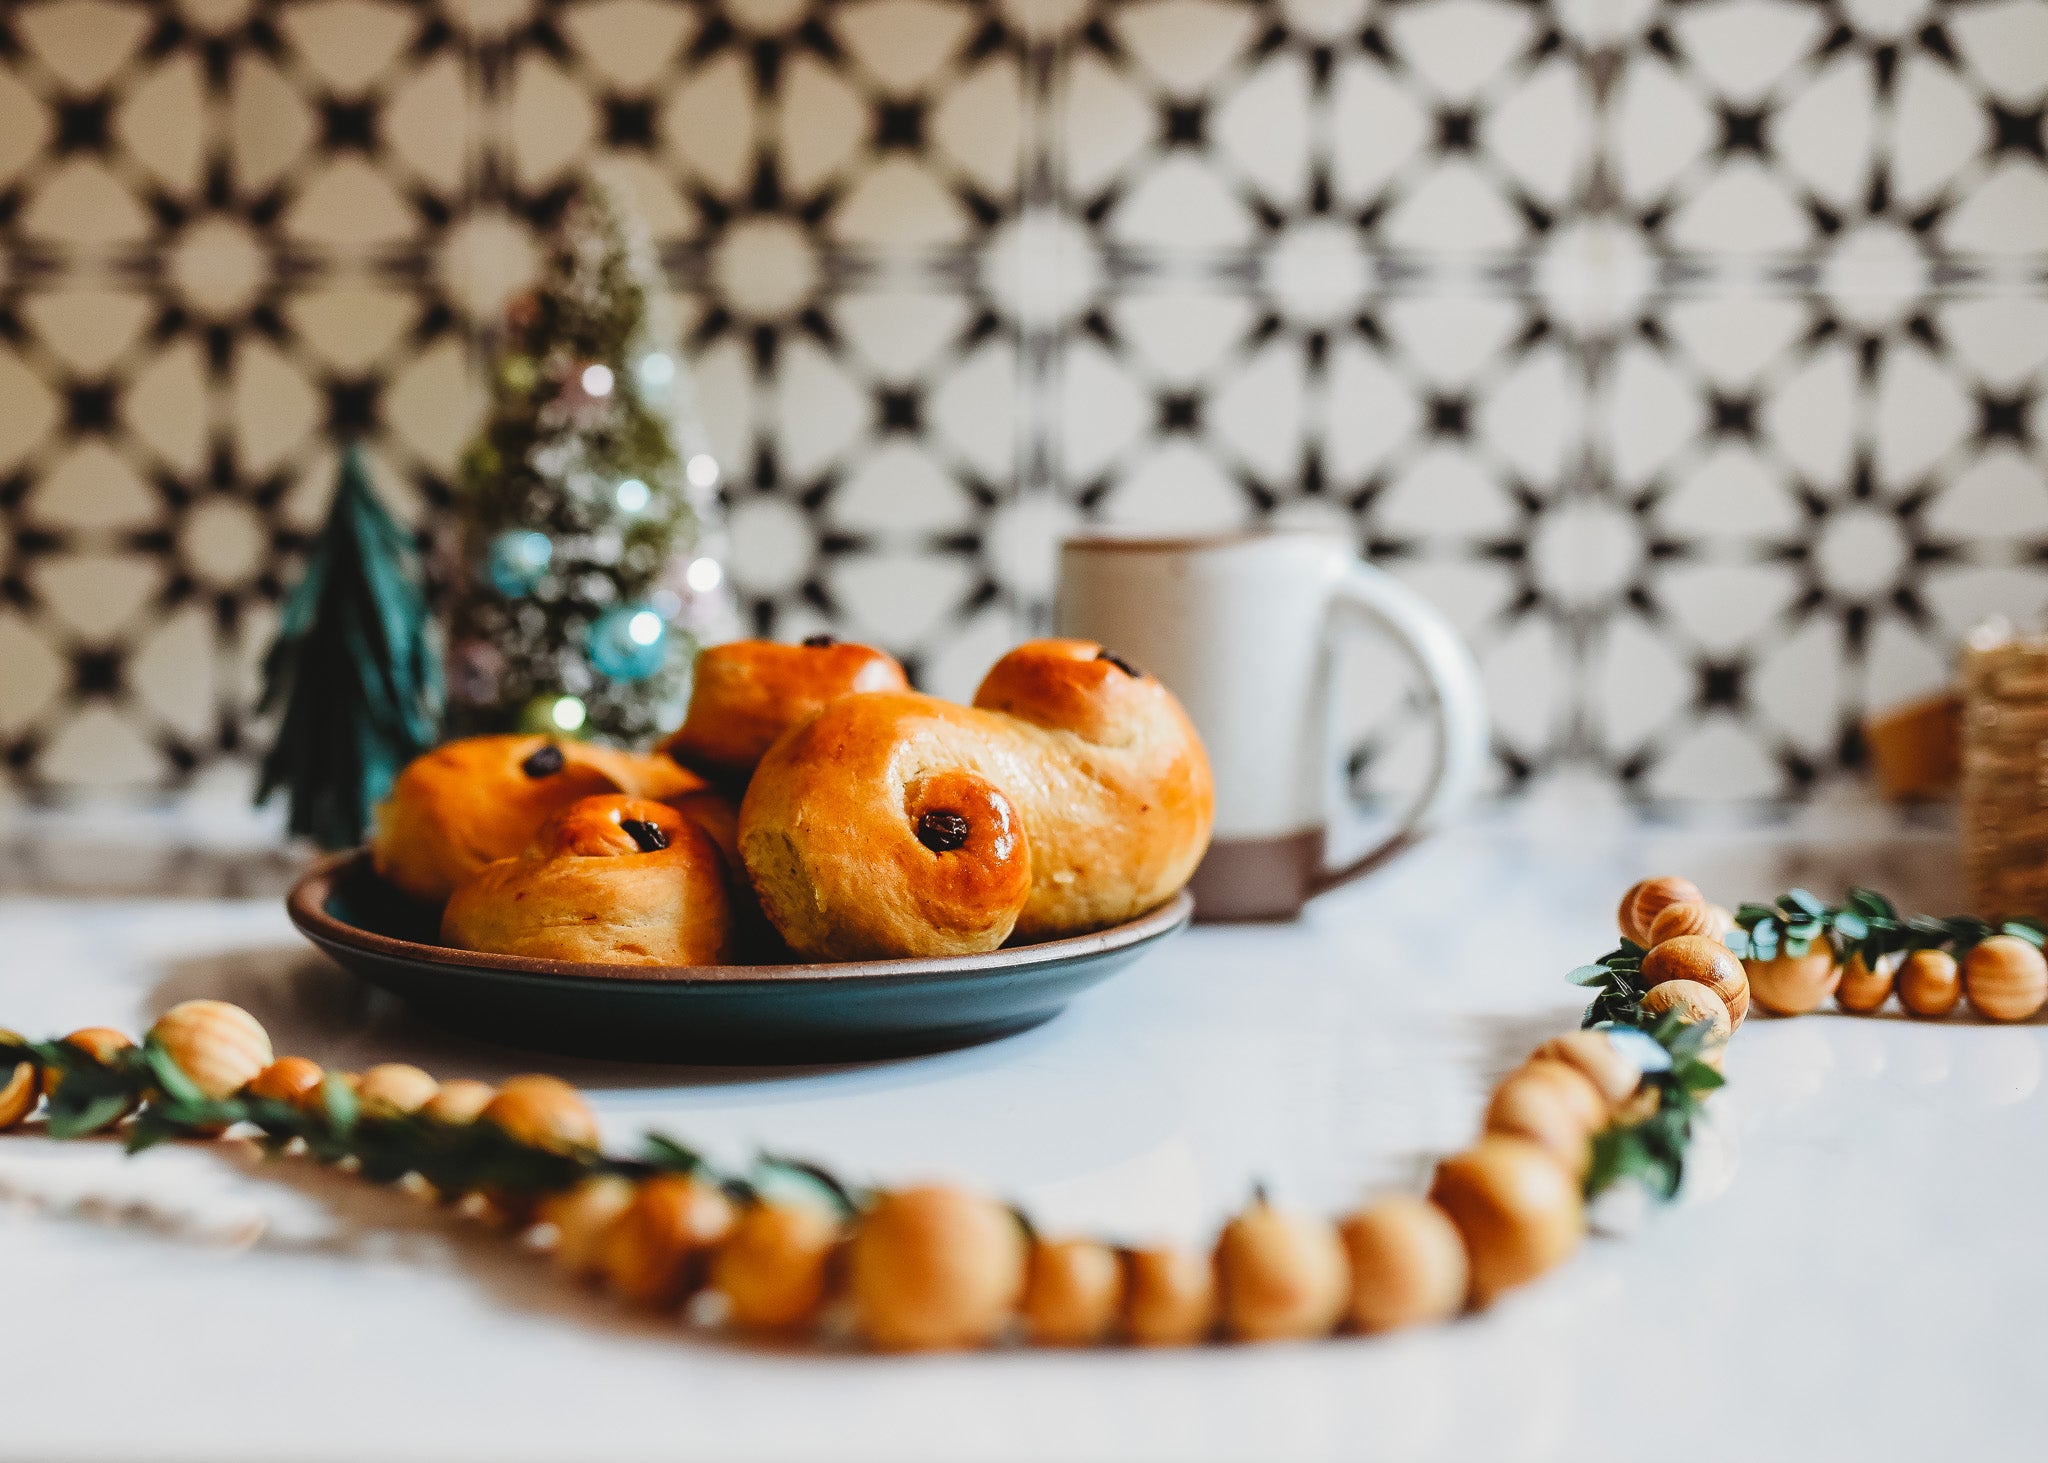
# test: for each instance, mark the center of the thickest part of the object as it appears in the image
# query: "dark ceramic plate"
(706, 1013)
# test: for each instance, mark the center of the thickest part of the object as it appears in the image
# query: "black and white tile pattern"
(1689, 353)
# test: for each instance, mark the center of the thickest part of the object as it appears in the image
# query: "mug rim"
(1140, 542)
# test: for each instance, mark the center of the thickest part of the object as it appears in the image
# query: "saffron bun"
(718, 814)
(746, 693)
(470, 802)
(1072, 795)
(611, 879)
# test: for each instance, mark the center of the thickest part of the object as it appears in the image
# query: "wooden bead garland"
(775, 1268)
(21, 1091)
(935, 1269)
(1408, 1265)
(1169, 1297)
(940, 1267)
(1073, 1291)
(2005, 978)
(1929, 983)
(288, 1079)
(1280, 1276)
(1800, 951)
(222, 1048)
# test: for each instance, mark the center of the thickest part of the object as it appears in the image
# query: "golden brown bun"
(718, 814)
(645, 774)
(1072, 795)
(472, 802)
(614, 879)
(746, 693)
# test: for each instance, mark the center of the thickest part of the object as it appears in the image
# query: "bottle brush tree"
(585, 592)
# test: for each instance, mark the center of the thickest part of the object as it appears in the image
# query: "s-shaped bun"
(612, 879)
(1072, 795)
(471, 802)
(746, 693)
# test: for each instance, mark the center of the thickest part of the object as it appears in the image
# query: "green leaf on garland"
(87, 1100)
(1804, 903)
(170, 1077)
(670, 1156)
(341, 1105)
(842, 1198)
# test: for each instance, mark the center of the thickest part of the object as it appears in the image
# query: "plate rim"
(306, 906)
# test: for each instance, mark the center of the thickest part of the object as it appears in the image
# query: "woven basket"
(2005, 771)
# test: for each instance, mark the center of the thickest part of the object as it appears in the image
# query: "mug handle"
(1448, 669)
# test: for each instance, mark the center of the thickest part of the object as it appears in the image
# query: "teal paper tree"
(353, 670)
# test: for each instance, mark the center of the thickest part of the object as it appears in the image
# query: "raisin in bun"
(746, 693)
(611, 879)
(1072, 795)
(471, 802)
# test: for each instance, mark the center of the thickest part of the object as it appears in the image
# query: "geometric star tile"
(1690, 357)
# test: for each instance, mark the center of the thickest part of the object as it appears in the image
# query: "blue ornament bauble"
(628, 642)
(519, 560)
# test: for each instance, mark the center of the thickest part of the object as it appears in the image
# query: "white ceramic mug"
(1241, 627)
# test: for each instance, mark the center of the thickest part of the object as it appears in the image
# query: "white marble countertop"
(1856, 1270)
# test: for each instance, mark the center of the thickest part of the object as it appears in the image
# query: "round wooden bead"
(20, 1091)
(1280, 1276)
(288, 1079)
(1649, 898)
(2006, 978)
(1582, 1099)
(1517, 1208)
(656, 1252)
(314, 1100)
(460, 1100)
(1073, 1292)
(1864, 986)
(1551, 1104)
(775, 1268)
(1704, 960)
(219, 1046)
(543, 1112)
(1688, 917)
(1169, 1296)
(1408, 1265)
(1792, 985)
(934, 1268)
(1929, 983)
(580, 1217)
(396, 1087)
(1647, 1100)
(1694, 1003)
(1602, 1063)
(101, 1043)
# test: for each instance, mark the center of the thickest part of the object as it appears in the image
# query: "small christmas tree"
(586, 588)
(353, 668)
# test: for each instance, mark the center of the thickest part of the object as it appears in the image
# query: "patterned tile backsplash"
(1689, 355)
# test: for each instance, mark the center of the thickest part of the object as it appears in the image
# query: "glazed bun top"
(643, 774)
(1077, 686)
(746, 693)
(608, 826)
(471, 802)
(612, 880)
